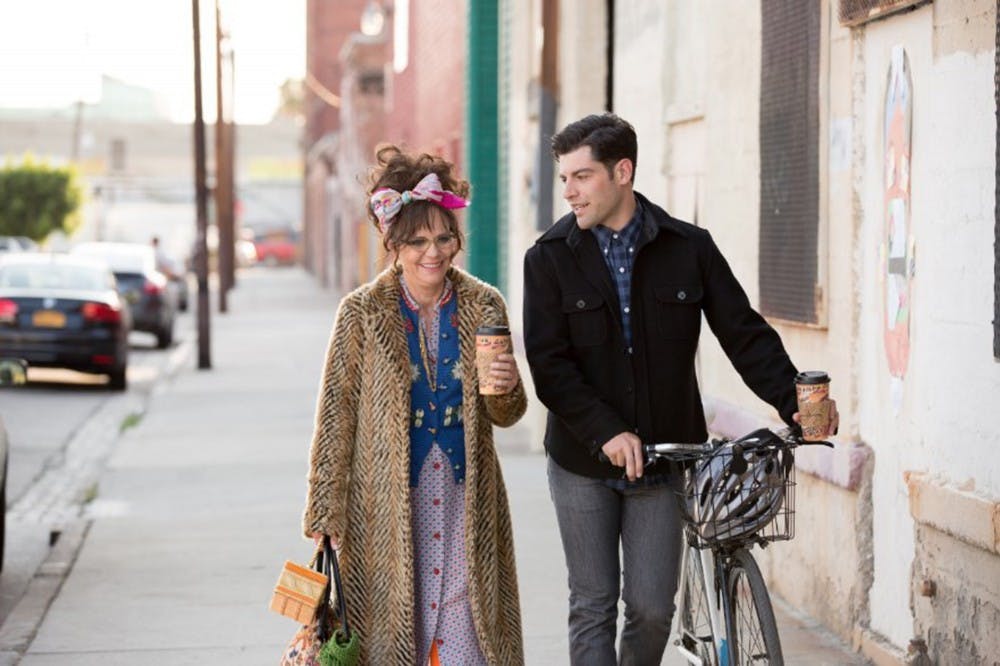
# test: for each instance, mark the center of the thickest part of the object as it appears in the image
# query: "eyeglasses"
(422, 243)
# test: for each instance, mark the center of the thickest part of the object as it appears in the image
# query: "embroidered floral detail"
(408, 324)
(453, 320)
(414, 372)
(456, 371)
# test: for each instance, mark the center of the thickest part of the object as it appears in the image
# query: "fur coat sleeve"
(333, 438)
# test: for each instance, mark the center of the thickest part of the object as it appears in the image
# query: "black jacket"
(575, 345)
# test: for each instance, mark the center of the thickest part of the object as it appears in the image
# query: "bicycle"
(736, 494)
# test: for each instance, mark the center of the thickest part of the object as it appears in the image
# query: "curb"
(21, 626)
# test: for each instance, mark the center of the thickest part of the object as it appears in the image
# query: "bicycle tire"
(696, 627)
(751, 626)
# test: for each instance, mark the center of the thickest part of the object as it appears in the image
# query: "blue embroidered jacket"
(435, 415)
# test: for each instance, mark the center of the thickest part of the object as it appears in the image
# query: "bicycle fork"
(718, 609)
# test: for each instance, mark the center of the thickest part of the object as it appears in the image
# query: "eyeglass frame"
(423, 243)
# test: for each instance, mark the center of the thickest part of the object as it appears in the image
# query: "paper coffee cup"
(812, 390)
(490, 342)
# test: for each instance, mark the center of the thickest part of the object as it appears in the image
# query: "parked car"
(176, 272)
(27, 244)
(9, 244)
(151, 297)
(277, 247)
(246, 253)
(64, 312)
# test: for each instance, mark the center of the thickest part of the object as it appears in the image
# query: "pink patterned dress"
(437, 492)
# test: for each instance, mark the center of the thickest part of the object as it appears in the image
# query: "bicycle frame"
(714, 583)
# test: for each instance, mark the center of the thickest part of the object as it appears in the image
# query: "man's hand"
(834, 418)
(625, 450)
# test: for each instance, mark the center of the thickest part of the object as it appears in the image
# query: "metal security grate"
(789, 159)
(856, 12)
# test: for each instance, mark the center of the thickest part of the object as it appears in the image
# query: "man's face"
(594, 195)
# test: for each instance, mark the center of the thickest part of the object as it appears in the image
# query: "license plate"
(49, 319)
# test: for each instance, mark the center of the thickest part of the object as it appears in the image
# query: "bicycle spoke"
(695, 618)
(749, 638)
(753, 630)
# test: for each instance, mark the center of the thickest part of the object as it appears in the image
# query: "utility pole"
(201, 201)
(223, 175)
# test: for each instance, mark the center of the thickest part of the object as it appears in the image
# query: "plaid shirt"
(618, 248)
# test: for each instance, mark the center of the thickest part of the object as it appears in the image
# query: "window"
(789, 160)
(856, 12)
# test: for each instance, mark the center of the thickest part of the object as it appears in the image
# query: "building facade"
(843, 156)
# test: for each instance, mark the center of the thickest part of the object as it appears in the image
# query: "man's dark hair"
(609, 137)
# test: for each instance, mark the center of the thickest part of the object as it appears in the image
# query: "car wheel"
(117, 380)
(165, 337)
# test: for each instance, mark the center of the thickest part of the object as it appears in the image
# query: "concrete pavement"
(201, 501)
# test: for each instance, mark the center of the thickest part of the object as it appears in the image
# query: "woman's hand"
(503, 373)
(334, 540)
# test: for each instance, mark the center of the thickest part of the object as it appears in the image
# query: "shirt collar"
(629, 234)
(411, 302)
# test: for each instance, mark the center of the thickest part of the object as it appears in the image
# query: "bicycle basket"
(742, 491)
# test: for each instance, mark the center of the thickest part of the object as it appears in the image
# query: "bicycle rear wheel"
(752, 629)
(696, 626)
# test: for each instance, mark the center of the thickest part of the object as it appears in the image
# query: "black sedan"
(152, 298)
(60, 311)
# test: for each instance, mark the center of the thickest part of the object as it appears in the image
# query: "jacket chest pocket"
(679, 311)
(587, 321)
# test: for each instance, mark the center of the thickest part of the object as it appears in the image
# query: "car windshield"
(54, 276)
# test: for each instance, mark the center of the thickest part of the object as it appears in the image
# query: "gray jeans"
(593, 517)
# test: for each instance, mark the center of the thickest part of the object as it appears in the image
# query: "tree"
(38, 199)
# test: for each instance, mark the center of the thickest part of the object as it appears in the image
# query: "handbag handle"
(327, 562)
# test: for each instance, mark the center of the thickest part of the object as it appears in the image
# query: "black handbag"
(341, 645)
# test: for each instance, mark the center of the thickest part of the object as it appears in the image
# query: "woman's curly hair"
(401, 171)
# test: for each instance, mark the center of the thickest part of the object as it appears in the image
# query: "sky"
(53, 52)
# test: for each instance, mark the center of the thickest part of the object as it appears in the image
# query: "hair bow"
(387, 202)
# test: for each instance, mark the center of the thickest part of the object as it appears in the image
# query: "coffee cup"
(812, 391)
(491, 341)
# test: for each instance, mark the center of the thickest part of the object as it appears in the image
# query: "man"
(614, 296)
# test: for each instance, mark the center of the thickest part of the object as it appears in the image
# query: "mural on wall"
(896, 251)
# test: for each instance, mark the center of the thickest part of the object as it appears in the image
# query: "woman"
(404, 476)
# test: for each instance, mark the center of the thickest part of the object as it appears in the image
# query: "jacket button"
(681, 295)
(581, 304)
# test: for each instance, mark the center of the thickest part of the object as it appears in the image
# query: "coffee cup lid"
(812, 377)
(492, 330)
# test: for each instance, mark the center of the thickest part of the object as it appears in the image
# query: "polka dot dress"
(443, 614)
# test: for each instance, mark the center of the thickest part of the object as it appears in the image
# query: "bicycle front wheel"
(696, 634)
(752, 629)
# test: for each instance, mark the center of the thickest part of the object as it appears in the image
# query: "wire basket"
(723, 507)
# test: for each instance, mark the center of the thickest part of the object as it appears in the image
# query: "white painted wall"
(640, 51)
(947, 422)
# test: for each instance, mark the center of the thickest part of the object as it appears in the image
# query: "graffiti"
(896, 250)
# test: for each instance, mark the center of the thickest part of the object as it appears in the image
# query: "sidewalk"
(201, 504)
